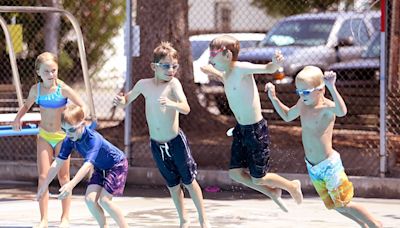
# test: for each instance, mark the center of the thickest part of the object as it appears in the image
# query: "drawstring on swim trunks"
(164, 148)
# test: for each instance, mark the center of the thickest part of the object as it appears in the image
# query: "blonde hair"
(72, 114)
(229, 43)
(311, 75)
(44, 57)
(163, 50)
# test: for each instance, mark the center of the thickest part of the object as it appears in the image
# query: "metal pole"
(13, 61)
(128, 78)
(81, 46)
(382, 97)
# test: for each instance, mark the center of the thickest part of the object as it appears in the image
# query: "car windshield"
(376, 22)
(304, 32)
(374, 48)
(198, 47)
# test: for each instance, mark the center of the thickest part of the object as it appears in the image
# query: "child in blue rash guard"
(109, 165)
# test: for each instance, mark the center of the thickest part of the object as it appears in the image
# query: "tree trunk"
(52, 28)
(165, 20)
(394, 50)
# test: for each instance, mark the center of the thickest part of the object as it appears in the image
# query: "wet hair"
(44, 57)
(72, 114)
(163, 50)
(311, 75)
(228, 43)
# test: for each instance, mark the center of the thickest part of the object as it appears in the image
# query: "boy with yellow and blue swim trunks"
(164, 101)
(317, 115)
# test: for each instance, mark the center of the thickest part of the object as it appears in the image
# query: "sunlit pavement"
(153, 208)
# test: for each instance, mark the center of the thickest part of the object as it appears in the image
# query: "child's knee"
(105, 202)
(236, 174)
(90, 199)
(257, 181)
(343, 209)
(63, 178)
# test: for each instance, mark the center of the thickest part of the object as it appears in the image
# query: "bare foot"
(296, 193)
(276, 197)
(64, 223)
(378, 224)
(42, 224)
(205, 224)
(184, 224)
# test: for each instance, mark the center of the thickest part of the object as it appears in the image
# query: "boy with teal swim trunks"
(317, 115)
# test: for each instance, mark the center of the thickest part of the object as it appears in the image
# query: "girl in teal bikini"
(51, 95)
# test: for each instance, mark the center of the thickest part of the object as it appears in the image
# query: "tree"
(52, 28)
(164, 20)
(100, 21)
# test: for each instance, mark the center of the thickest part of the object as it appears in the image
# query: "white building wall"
(244, 16)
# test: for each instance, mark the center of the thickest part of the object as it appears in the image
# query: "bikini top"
(52, 100)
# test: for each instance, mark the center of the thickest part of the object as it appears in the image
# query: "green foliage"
(290, 7)
(100, 21)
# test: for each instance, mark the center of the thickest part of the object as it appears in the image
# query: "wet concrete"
(151, 207)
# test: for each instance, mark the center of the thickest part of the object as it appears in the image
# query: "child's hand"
(16, 125)
(210, 70)
(329, 78)
(278, 58)
(270, 89)
(119, 100)
(40, 192)
(65, 191)
(165, 102)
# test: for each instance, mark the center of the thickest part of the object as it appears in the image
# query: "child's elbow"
(341, 114)
(186, 111)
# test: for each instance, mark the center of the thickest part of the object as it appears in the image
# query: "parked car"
(363, 69)
(211, 91)
(319, 39)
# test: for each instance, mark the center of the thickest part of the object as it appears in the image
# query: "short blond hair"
(72, 114)
(44, 57)
(311, 75)
(163, 50)
(229, 43)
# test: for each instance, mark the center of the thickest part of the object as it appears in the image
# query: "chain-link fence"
(334, 36)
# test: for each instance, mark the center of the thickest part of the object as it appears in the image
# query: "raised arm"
(54, 168)
(181, 104)
(66, 189)
(286, 113)
(250, 68)
(340, 108)
(125, 100)
(210, 70)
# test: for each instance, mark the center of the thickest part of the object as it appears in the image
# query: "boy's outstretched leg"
(275, 181)
(177, 196)
(197, 197)
(361, 214)
(239, 175)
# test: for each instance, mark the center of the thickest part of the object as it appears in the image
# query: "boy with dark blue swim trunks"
(108, 163)
(165, 99)
(250, 146)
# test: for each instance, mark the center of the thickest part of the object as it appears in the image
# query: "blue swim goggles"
(306, 92)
